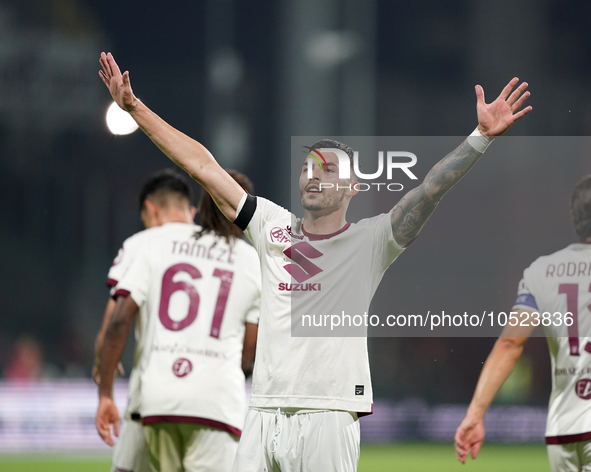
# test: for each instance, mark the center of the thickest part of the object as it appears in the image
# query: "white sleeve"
(122, 260)
(265, 211)
(252, 316)
(253, 271)
(136, 279)
(386, 249)
(116, 270)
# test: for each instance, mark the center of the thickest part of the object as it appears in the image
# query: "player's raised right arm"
(184, 151)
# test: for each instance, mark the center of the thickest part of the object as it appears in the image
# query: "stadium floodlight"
(119, 122)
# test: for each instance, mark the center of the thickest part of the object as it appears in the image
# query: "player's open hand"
(106, 416)
(117, 83)
(469, 435)
(495, 118)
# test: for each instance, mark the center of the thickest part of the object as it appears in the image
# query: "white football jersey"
(195, 295)
(121, 263)
(306, 274)
(553, 286)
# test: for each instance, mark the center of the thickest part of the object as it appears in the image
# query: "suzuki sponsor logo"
(302, 268)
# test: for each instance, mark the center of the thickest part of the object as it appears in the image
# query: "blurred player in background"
(555, 292)
(130, 452)
(309, 391)
(197, 291)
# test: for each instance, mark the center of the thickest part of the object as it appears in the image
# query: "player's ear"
(149, 213)
(150, 207)
(354, 188)
(193, 211)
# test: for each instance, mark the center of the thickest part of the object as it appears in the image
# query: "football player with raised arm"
(555, 292)
(308, 392)
(194, 292)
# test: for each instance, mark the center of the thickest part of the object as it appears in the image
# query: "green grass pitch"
(431, 457)
(427, 457)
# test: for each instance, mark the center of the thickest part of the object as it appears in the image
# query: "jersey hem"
(192, 420)
(568, 438)
(321, 403)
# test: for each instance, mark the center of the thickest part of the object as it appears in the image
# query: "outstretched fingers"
(517, 104)
(104, 78)
(522, 113)
(507, 90)
(125, 78)
(479, 95)
(105, 65)
(516, 93)
(115, 72)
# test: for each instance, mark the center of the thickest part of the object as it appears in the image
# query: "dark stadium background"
(68, 187)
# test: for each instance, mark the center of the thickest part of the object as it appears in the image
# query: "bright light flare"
(119, 121)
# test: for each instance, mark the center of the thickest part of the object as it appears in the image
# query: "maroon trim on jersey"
(192, 420)
(121, 293)
(365, 413)
(319, 237)
(568, 438)
(111, 282)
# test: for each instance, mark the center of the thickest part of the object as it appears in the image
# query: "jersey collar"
(319, 237)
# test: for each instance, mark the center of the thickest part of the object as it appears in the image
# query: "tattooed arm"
(412, 212)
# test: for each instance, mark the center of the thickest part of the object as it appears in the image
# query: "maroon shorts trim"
(569, 438)
(192, 420)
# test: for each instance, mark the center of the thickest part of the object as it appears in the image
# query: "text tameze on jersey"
(213, 251)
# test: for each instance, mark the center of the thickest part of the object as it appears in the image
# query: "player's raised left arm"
(112, 349)
(187, 153)
(412, 212)
(496, 369)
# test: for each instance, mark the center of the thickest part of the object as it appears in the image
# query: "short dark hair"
(580, 209)
(331, 143)
(162, 185)
(212, 218)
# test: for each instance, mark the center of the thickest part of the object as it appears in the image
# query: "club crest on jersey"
(182, 367)
(280, 235)
(583, 389)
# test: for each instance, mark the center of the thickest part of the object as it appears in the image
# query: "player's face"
(324, 198)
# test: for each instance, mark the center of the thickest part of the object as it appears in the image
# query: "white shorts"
(186, 447)
(130, 453)
(575, 457)
(289, 440)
